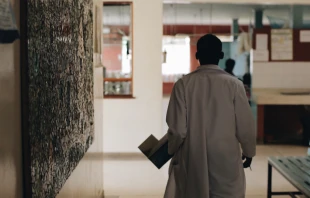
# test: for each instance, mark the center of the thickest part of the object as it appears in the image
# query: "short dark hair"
(209, 48)
(230, 63)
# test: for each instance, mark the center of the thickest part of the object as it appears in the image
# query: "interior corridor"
(89, 80)
(132, 176)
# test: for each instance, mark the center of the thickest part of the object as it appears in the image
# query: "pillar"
(258, 16)
(296, 18)
(235, 29)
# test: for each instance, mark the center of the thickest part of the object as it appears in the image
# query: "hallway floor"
(132, 176)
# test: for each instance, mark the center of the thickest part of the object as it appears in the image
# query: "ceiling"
(219, 14)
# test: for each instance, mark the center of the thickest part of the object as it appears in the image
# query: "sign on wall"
(261, 53)
(281, 44)
(304, 36)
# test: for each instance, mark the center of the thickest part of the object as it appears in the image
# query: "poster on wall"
(262, 42)
(281, 44)
(261, 55)
(304, 36)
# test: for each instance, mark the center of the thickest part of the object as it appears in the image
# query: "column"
(296, 18)
(235, 28)
(258, 16)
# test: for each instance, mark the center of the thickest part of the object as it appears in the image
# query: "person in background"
(209, 118)
(229, 66)
(247, 81)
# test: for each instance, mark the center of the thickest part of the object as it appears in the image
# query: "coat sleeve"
(246, 132)
(176, 118)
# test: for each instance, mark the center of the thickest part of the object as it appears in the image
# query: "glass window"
(117, 49)
(176, 57)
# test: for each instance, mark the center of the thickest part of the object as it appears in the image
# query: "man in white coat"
(209, 117)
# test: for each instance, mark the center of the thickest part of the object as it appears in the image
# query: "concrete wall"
(127, 122)
(10, 128)
(86, 181)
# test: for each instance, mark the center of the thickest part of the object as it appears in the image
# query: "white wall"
(281, 75)
(127, 122)
(10, 127)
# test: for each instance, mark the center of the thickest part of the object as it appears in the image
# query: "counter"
(279, 115)
(274, 97)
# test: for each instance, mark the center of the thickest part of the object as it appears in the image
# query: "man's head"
(209, 50)
(230, 64)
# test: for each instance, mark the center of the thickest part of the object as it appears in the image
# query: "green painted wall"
(227, 51)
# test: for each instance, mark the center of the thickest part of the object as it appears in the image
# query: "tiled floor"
(135, 177)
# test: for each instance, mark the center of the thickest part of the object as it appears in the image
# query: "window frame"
(186, 42)
(131, 33)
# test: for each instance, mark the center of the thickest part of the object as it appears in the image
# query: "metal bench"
(295, 169)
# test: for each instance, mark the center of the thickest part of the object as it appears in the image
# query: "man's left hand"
(247, 162)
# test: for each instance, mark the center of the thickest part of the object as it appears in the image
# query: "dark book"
(156, 150)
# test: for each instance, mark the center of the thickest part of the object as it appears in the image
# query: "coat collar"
(216, 67)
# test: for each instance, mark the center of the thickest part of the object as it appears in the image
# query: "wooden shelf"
(117, 79)
(129, 96)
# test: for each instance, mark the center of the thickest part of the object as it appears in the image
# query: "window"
(117, 49)
(176, 57)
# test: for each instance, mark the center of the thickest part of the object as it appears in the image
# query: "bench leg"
(269, 181)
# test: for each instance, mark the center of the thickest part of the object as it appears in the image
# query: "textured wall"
(61, 109)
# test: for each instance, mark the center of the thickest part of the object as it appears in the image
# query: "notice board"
(300, 48)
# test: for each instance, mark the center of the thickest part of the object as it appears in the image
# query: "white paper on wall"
(304, 36)
(282, 44)
(261, 55)
(261, 41)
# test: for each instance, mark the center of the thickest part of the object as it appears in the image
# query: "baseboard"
(123, 156)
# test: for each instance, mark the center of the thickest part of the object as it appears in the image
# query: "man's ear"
(221, 55)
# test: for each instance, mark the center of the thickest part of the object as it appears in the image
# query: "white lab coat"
(208, 116)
